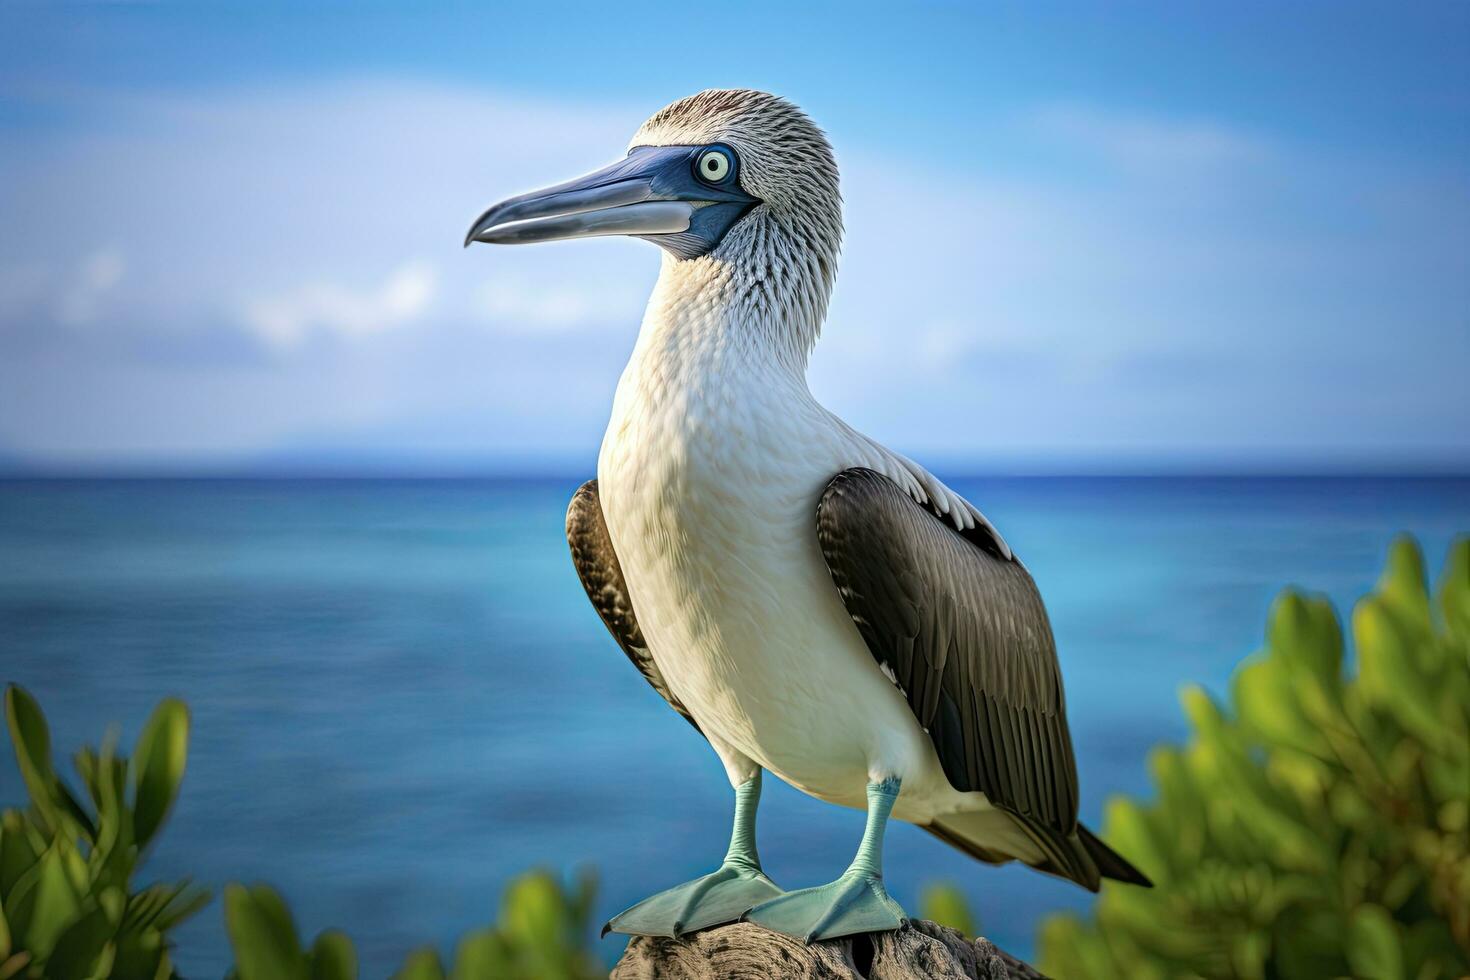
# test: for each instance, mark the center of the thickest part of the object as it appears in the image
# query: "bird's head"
(732, 176)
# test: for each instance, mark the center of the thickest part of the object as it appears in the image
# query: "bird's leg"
(856, 902)
(715, 899)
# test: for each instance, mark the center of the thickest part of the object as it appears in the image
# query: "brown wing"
(602, 577)
(960, 623)
(967, 639)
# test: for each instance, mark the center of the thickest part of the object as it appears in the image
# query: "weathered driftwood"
(922, 951)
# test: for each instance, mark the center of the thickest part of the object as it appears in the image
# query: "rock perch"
(743, 951)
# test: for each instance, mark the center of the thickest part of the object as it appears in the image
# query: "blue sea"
(401, 697)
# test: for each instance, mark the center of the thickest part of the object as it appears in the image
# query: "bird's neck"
(710, 356)
(713, 370)
(727, 312)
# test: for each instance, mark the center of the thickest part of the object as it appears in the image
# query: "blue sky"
(1079, 237)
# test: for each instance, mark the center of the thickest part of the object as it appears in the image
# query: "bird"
(814, 604)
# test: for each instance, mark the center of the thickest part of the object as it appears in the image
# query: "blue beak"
(652, 193)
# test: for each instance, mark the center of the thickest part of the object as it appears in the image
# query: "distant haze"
(1134, 239)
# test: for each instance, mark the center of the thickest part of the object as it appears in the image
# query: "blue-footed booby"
(813, 603)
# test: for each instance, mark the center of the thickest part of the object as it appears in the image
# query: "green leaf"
(332, 957)
(17, 856)
(85, 760)
(48, 903)
(1309, 943)
(483, 955)
(263, 935)
(947, 906)
(1264, 692)
(187, 901)
(1126, 828)
(164, 906)
(80, 947)
(1403, 584)
(1248, 953)
(1454, 589)
(158, 767)
(114, 903)
(1388, 671)
(422, 964)
(31, 738)
(1070, 949)
(104, 775)
(141, 954)
(1373, 948)
(532, 911)
(1304, 630)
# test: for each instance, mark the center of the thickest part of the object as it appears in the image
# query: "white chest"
(709, 486)
(709, 475)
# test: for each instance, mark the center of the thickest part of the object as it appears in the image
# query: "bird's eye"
(713, 166)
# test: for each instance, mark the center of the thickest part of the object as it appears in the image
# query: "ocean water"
(401, 697)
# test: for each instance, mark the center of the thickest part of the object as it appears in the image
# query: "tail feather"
(954, 838)
(1078, 857)
(1109, 862)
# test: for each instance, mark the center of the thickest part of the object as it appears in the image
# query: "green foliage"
(542, 935)
(1318, 826)
(947, 905)
(67, 908)
(266, 945)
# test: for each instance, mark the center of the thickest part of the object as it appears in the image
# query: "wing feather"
(602, 578)
(962, 626)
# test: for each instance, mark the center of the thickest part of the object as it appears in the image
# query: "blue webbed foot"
(713, 900)
(717, 898)
(855, 903)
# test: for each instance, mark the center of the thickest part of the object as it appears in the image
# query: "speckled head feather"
(782, 256)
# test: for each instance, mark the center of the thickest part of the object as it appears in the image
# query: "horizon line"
(546, 470)
(361, 463)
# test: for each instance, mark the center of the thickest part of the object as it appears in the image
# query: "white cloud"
(285, 321)
(275, 208)
(523, 304)
(984, 300)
